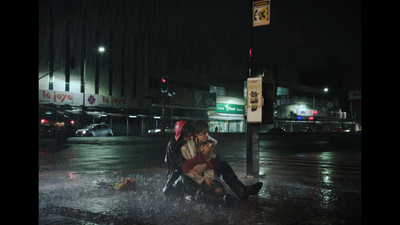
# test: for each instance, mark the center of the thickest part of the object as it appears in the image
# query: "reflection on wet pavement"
(282, 200)
(299, 188)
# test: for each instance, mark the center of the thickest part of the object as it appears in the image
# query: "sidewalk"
(77, 198)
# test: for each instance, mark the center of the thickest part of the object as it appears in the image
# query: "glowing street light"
(101, 49)
(326, 89)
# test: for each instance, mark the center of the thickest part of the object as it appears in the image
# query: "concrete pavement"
(78, 198)
(299, 188)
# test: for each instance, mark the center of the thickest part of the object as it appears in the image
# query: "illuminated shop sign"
(229, 108)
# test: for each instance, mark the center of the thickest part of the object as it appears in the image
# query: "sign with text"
(341, 115)
(104, 101)
(229, 108)
(55, 97)
(59, 97)
(261, 13)
(254, 100)
(75, 99)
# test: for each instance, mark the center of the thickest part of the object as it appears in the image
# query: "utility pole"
(256, 109)
(252, 130)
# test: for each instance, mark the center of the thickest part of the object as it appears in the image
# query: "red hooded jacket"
(178, 129)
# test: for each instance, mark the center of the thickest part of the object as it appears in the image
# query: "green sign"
(229, 108)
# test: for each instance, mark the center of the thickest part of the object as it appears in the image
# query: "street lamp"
(326, 89)
(101, 49)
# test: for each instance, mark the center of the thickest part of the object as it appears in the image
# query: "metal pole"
(172, 109)
(163, 117)
(252, 136)
(84, 80)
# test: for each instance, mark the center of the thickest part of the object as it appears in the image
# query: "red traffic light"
(164, 84)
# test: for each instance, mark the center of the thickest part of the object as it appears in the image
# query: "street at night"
(130, 91)
(309, 178)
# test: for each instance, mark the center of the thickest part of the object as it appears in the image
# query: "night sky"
(302, 34)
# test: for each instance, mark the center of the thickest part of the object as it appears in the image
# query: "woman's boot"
(230, 178)
(242, 191)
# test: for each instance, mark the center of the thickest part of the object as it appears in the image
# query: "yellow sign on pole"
(261, 13)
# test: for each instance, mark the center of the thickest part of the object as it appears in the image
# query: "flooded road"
(301, 186)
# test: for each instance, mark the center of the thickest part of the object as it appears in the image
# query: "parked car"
(55, 125)
(168, 129)
(277, 130)
(95, 130)
(343, 129)
(307, 129)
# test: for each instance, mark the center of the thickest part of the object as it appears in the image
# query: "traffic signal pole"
(164, 89)
(163, 113)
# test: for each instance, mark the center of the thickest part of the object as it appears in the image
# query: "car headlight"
(84, 132)
(157, 130)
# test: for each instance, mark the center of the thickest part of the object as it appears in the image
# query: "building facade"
(206, 64)
(127, 96)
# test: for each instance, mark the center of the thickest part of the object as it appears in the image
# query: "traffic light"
(164, 84)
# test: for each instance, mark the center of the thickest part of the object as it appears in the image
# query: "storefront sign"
(54, 97)
(229, 108)
(59, 97)
(341, 115)
(306, 112)
(104, 101)
(72, 98)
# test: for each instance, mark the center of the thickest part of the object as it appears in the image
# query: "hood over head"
(178, 129)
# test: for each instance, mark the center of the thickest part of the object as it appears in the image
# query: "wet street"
(309, 178)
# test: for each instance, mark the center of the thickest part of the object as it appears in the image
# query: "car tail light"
(72, 122)
(44, 121)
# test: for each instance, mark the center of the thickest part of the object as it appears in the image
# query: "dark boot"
(254, 189)
(242, 191)
(238, 187)
(230, 178)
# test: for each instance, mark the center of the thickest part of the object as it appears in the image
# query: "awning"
(182, 107)
(224, 116)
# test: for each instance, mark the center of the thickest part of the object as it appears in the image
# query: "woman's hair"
(200, 126)
(186, 129)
